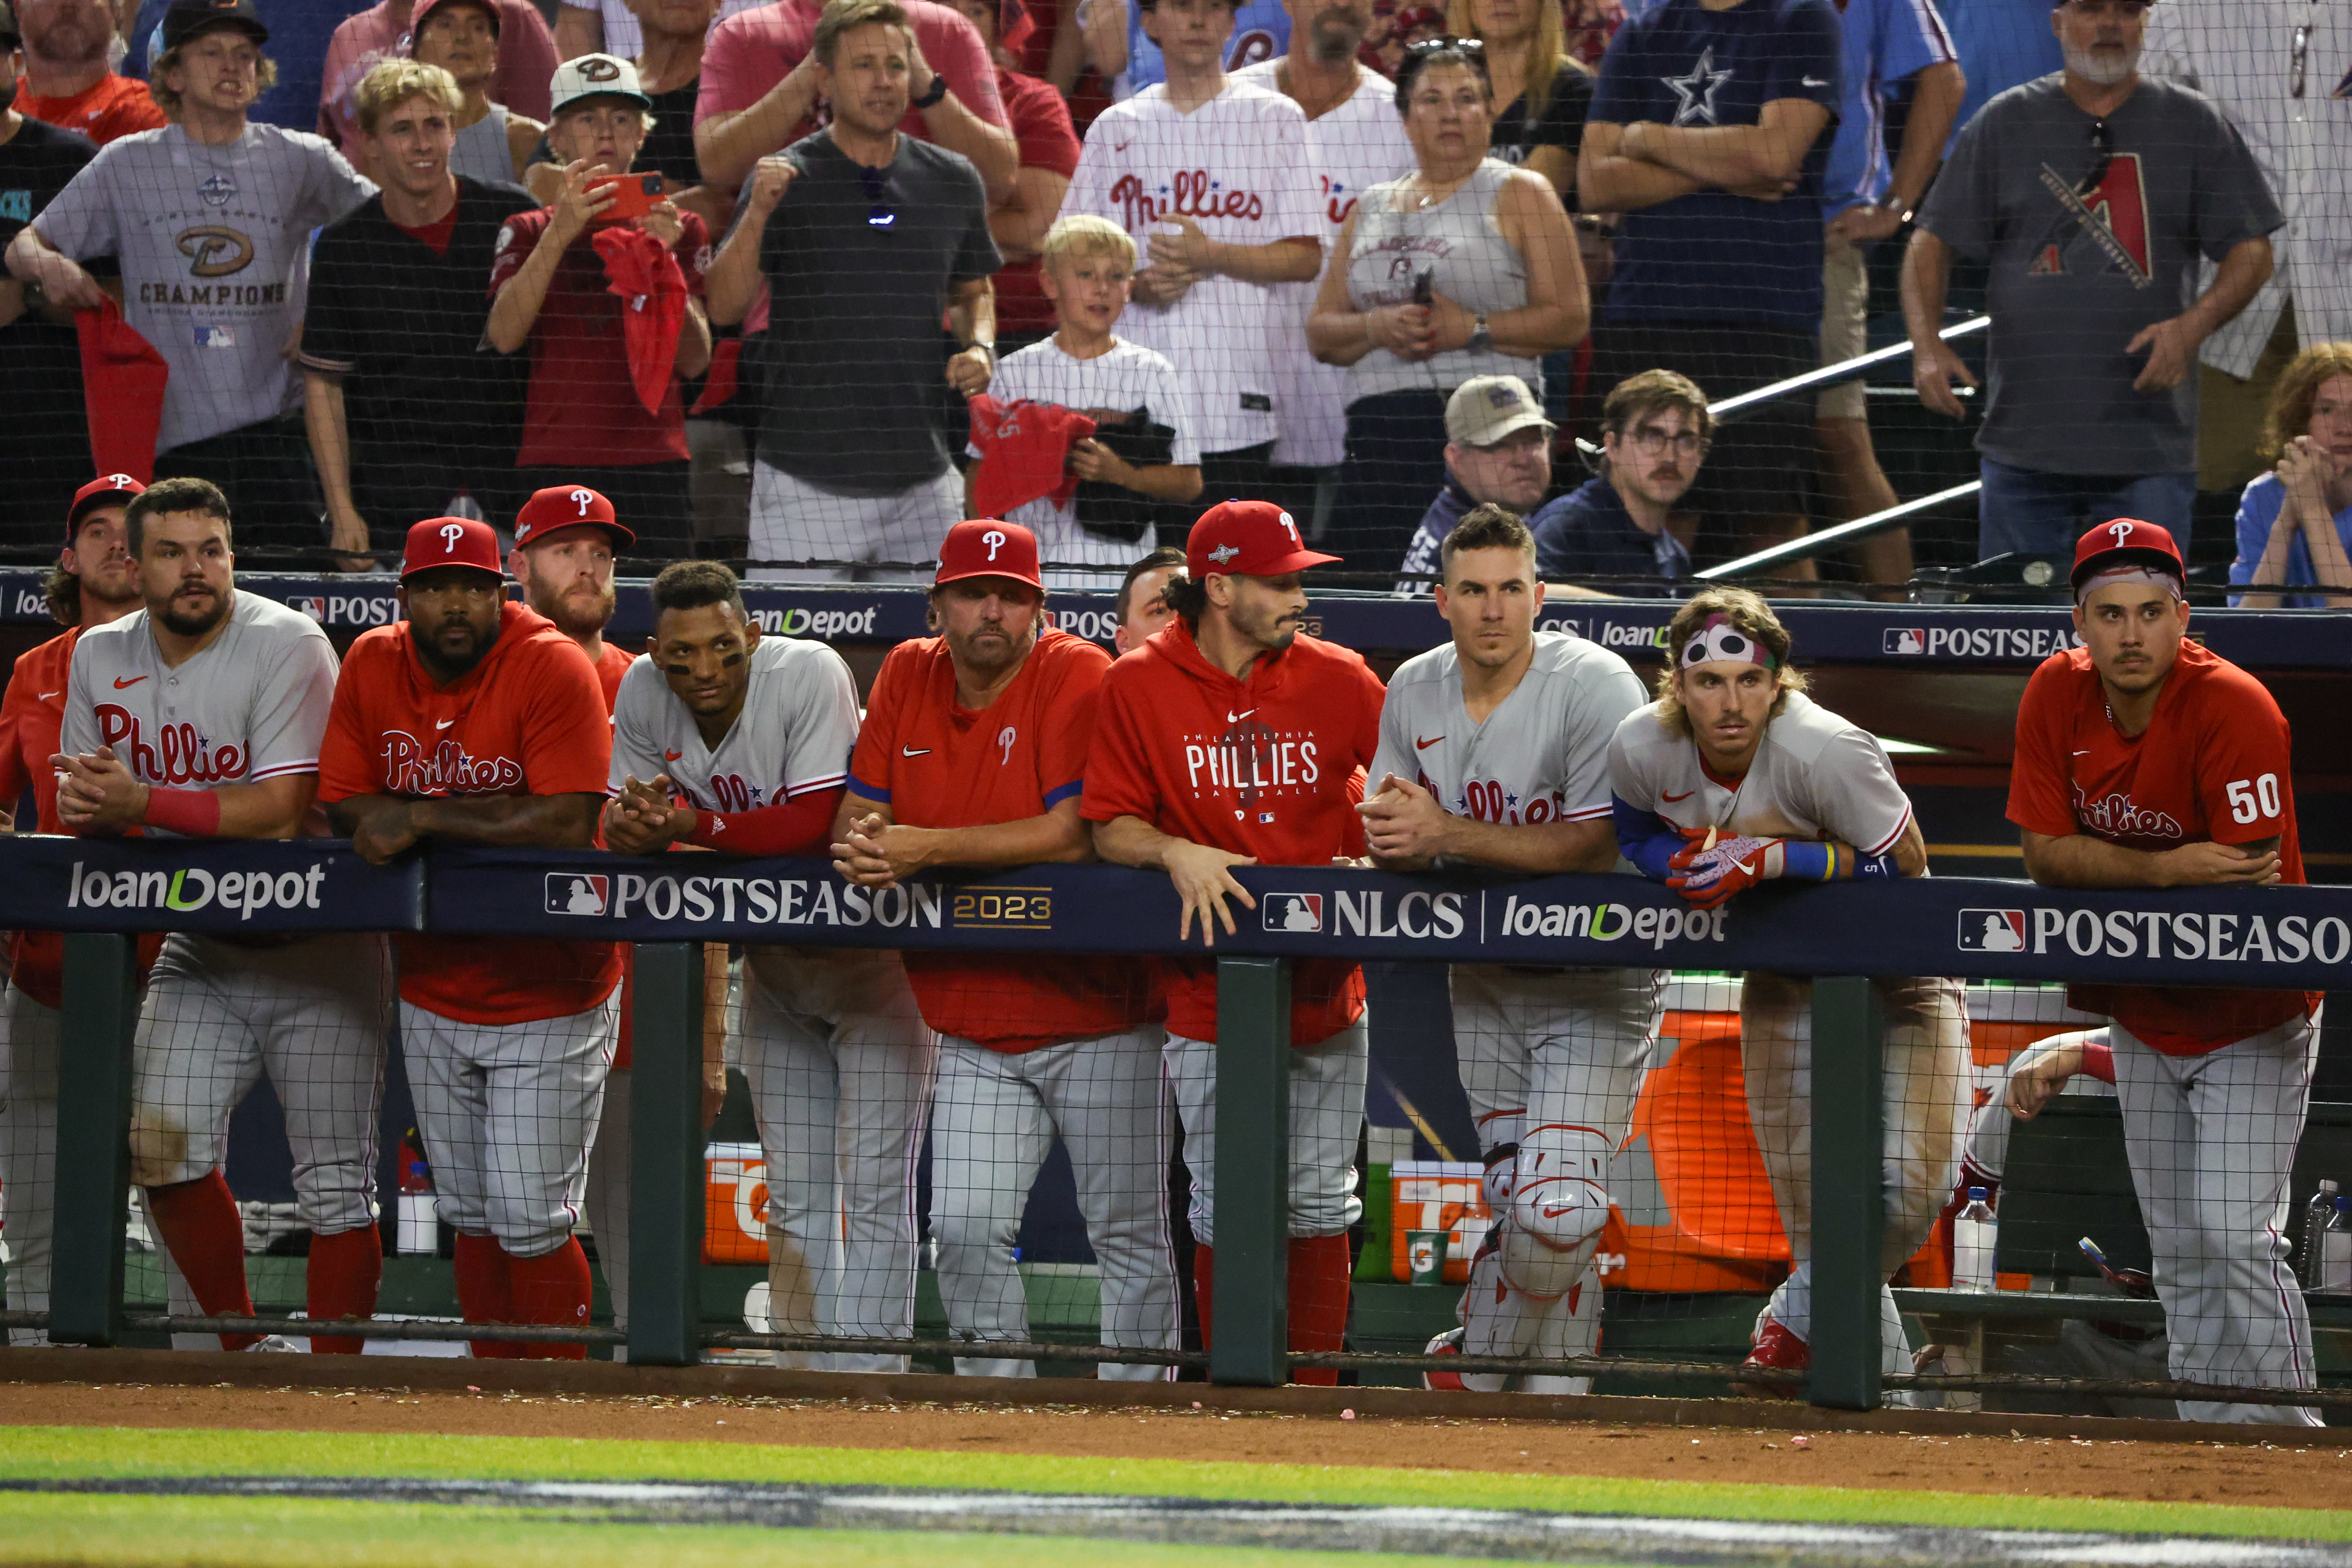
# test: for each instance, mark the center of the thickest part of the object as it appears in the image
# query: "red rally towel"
(122, 380)
(1024, 450)
(645, 275)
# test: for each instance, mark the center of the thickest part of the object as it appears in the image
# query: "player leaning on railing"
(2183, 780)
(1734, 776)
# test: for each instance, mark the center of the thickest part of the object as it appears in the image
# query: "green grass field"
(303, 1534)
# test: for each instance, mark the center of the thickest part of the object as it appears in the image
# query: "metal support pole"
(666, 1178)
(93, 1153)
(1250, 1338)
(1849, 1204)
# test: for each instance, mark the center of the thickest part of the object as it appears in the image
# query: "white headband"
(1719, 639)
(2154, 577)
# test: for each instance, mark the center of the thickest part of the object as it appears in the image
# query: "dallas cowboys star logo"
(1696, 92)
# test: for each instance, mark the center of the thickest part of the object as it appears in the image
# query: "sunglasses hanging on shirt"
(879, 213)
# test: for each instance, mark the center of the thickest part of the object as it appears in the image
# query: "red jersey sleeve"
(350, 762)
(1120, 781)
(2039, 799)
(516, 240)
(1069, 734)
(877, 737)
(16, 776)
(567, 740)
(2243, 782)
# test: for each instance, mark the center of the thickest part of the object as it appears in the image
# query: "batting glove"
(1707, 877)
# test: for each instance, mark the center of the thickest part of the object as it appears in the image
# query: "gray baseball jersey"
(1540, 756)
(215, 244)
(798, 724)
(251, 706)
(1814, 777)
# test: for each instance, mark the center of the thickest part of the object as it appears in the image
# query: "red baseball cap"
(106, 487)
(2122, 542)
(450, 541)
(983, 547)
(569, 506)
(1248, 539)
(416, 17)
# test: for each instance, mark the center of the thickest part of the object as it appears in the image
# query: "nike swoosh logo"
(1684, 795)
(671, 756)
(443, 723)
(47, 695)
(2082, 753)
(912, 751)
(1421, 745)
(1815, 81)
(1748, 869)
(120, 683)
(1233, 718)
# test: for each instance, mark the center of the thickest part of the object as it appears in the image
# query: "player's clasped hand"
(643, 820)
(1203, 878)
(1706, 875)
(1403, 821)
(877, 853)
(98, 794)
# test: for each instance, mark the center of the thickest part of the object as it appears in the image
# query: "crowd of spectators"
(274, 215)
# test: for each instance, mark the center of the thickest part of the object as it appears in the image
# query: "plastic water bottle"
(1973, 1230)
(418, 1232)
(2316, 1215)
(2336, 1249)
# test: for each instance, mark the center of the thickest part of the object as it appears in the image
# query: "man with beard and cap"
(94, 583)
(1232, 739)
(200, 716)
(68, 81)
(566, 539)
(476, 721)
(725, 739)
(2092, 196)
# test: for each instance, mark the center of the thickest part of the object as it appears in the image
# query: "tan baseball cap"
(1486, 408)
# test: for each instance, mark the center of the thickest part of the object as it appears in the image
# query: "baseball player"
(94, 583)
(566, 539)
(476, 721)
(2080, 1062)
(725, 739)
(2145, 760)
(1495, 752)
(1733, 776)
(200, 716)
(973, 755)
(1231, 739)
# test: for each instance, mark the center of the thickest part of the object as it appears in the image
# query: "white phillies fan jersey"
(1541, 756)
(252, 705)
(1350, 149)
(1238, 166)
(1815, 776)
(794, 734)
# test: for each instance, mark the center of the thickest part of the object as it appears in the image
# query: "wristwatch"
(931, 96)
(1481, 340)
(1903, 212)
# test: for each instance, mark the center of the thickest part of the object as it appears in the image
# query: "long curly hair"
(1748, 612)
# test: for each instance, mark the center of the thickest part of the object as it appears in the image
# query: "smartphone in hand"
(634, 196)
(1424, 285)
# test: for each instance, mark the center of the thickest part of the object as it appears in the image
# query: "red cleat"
(1776, 1350)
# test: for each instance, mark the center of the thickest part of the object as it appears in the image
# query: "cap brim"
(639, 98)
(408, 571)
(1281, 565)
(945, 578)
(245, 24)
(1512, 428)
(2093, 565)
(621, 537)
(81, 507)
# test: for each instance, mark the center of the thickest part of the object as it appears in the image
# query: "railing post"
(1849, 1204)
(1251, 1338)
(666, 1178)
(93, 1153)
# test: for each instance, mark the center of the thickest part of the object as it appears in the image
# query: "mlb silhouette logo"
(314, 608)
(1992, 930)
(1292, 912)
(1906, 639)
(578, 893)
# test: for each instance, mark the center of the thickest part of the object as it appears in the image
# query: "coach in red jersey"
(2145, 760)
(1231, 740)
(973, 755)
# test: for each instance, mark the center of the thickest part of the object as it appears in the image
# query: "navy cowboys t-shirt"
(1712, 256)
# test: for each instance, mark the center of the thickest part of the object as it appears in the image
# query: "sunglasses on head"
(1434, 46)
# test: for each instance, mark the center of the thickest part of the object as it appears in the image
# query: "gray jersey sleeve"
(291, 699)
(1855, 797)
(1605, 699)
(1395, 754)
(1629, 776)
(823, 729)
(79, 735)
(636, 739)
(335, 187)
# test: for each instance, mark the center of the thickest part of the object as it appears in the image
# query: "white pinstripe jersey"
(251, 705)
(798, 724)
(1815, 776)
(1542, 756)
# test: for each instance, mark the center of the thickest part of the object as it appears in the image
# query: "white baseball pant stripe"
(28, 1154)
(312, 1014)
(1552, 1061)
(606, 1200)
(840, 1064)
(508, 1111)
(994, 1120)
(2211, 1140)
(792, 520)
(1327, 1115)
(1925, 1092)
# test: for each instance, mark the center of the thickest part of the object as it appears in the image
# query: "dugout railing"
(102, 893)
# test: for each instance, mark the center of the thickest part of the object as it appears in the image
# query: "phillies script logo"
(2116, 816)
(411, 767)
(180, 755)
(1197, 196)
